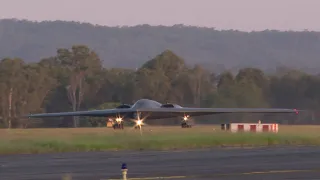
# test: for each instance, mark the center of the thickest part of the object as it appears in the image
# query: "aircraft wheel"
(118, 126)
(185, 125)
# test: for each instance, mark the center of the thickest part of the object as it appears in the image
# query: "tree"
(81, 62)
(41, 87)
(11, 79)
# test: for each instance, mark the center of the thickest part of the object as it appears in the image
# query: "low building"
(250, 127)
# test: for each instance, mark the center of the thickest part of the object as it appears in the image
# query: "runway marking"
(228, 174)
(152, 178)
(281, 171)
(271, 172)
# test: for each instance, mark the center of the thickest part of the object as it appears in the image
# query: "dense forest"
(75, 79)
(131, 47)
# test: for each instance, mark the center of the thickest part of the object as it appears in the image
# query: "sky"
(245, 15)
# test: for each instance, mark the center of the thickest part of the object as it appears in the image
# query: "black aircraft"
(149, 109)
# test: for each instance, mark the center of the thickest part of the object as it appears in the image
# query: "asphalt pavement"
(227, 164)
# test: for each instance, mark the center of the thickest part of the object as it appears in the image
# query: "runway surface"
(227, 164)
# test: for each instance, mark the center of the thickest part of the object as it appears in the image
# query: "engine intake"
(168, 105)
(123, 106)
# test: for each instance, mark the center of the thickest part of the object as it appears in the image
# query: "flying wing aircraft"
(149, 109)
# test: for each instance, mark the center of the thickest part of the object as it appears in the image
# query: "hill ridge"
(131, 46)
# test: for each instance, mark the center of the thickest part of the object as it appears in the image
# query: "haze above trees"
(130, 47)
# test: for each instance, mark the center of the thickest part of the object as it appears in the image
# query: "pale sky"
(243, 15)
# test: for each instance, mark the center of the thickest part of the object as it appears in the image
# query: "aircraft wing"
(93, 113)
(157, 113)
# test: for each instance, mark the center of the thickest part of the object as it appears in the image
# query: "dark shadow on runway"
(283, 162)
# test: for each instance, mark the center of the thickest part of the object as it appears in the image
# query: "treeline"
(130, 47)
(75, 79)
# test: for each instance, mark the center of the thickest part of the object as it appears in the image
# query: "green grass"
(152, 138)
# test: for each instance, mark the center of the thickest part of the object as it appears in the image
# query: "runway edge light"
(124, 171)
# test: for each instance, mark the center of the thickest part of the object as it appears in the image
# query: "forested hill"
(130, 47)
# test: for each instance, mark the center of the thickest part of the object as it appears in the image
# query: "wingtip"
(25, 116)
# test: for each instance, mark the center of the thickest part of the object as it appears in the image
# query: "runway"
(227, 164)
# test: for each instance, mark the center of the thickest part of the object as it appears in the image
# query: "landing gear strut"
(184, 124)
(139, 124)
(118, 125)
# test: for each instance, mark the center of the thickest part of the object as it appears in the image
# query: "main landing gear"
(184, 123)
(118, 124)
